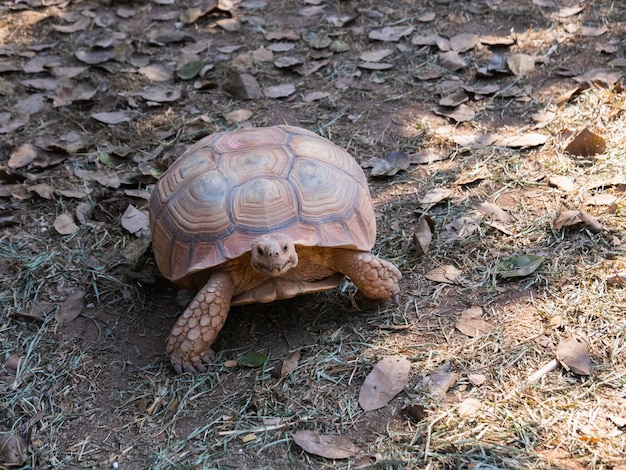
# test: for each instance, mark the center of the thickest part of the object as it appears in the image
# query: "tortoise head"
(273, 254)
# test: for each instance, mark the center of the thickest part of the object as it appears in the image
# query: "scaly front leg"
(376, 278)
(190, 340)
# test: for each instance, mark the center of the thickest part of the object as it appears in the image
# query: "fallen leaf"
(435, 195)
(95, 57)
(469, 407)
(571, 217)
(452, 60)
(390, 33)
(238, 115)
(463, 42)
(462, 227)
(156, 72)
(522, 141)
(423, 235)
(71, 307)
(619, 278)
(160, 95)
(136, 221)
(586, 143)
(601, 200)
(279, 91)
(289, 364)
(115, 117)
(447, 274)
(426, 157)
(519, 266)
(603, 78)
(12, 449)
(476, 379)
(253, 359)
(494, 212)
(384, 382)
(64, 224)
(315, 96)
(440, 380)
(454, 99)
(243, 86)
(471, 324)
(573, 354)
(521, 64)
(391, 164)
(462, 113)
(328, 446)
(561, 182)
(24, 155)
(375, 55)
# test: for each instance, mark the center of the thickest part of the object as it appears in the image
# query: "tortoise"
(258, 215)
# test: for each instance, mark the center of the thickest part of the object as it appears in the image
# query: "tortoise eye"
(285, 248)
(260, 251)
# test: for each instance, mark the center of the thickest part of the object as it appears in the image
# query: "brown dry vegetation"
(97, 391)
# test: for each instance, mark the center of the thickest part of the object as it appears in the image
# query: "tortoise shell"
(229, 188)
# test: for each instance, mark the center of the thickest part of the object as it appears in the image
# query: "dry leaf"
(586, 143)
(568, 218)
(522, 141)
(161, 95)
(24, 155)
(435, 195)
(454, 99)
(521, 64)
(64, 224)
(494, 212)
(375, 55)
(243, 86)
(447, 274)
(391, 163)
(390, 33)
(469, 407)
(440, 380)
(289, 364)
(462, 227)
(604, 78)
(279, 91)
(116, 117)
(561, 182)
(476, 379)
(460, 113)
(315, 96)
(471, 324)
(238, 115)
(327, 446)
(387, 379)
(423, 235)
(136, 221)
(601, 200)
(573, 354)
(619, 278)
(12, 449)
(463, 42)
(452, 60)
(71, 307)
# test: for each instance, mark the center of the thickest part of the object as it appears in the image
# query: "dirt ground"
(510, 119)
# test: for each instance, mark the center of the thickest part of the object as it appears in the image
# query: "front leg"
(376, 278)
(190, 340)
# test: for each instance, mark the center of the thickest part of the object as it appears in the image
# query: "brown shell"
(231, 187)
